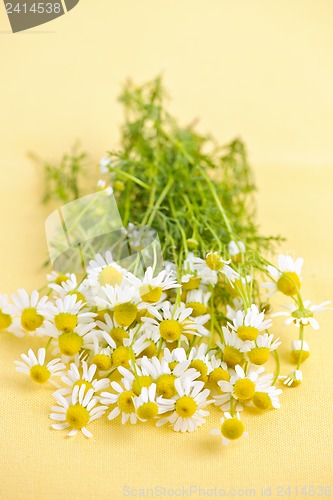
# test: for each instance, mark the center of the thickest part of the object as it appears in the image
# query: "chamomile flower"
(266, 398)
(82, 374)
(72, 287)
(5, 318)
(54, 277)
(104, 271)
(247, 324)
(164, 377)
(231, 428)
(151, 288)
(186, 406)
(76, 411)
(233, 348)
(197, 272)
(123, 398)
(198, 301)
(146, 405)
(104, 163)
(300, 350)
(37, 369)
(171, 323)
(110, 328)
(101, 184)
(294, 378)
(122, 300)
(236, 248)
(258, 350)
(287, 276)
(28, 313)
(302, 315)
(213, 263)
(242, 386)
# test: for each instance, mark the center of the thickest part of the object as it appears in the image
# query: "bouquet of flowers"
(159, 302)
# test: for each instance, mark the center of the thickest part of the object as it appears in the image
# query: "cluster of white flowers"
(161, 347)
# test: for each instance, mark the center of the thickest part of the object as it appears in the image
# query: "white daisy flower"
(5, 319)
(233, 348)
(122, 300)
(35, 367)
(104, 163)
(294, 378)
(171, 323)
(57, 278)
(187, 406)
(164, 377)
(258, 350)
(110, 328)
(247, 324)
(302, 316)
(266, 398)
(101, 184)
(151, 288)
(300, 350)
(72, 287)
(82, 374)
(76, 411)
(146, 405)
(198, 300)
(232, 428)
(123, 398)
(232, 311)
(242, 386)
(28, 313)
(287, 276)
(104, 271)
(236, 248)
(214, 263)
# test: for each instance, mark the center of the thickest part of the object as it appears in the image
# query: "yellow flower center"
(70, 343)
(118, 335)
(81, 382)
(186, 406)
(244, 389)
(30, 319)
(149, 293)
(232, 356)
(173, 364)
(77, 416)
(198, 309)
(170, 329)
(299, 356)
(40, 374)
(5, 320)
(262, 400)
(289, 283)
(102, 361)
(119, 186)
(165, 385)
(258, 355)
(110, 276)
(147, 410)
(150, 351)
(218, 374)
(214, 262)
(65, 322)
(139, 382)
(192, 283)
(201, 367)
(121, 356)
(232, 428)
(247, 332)
(125, 402)
(61, 278)
(79, 296)
(101, 313)
(125, 314)
(302, 313)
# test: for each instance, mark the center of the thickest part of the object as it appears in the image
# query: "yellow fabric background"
(262, 70)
